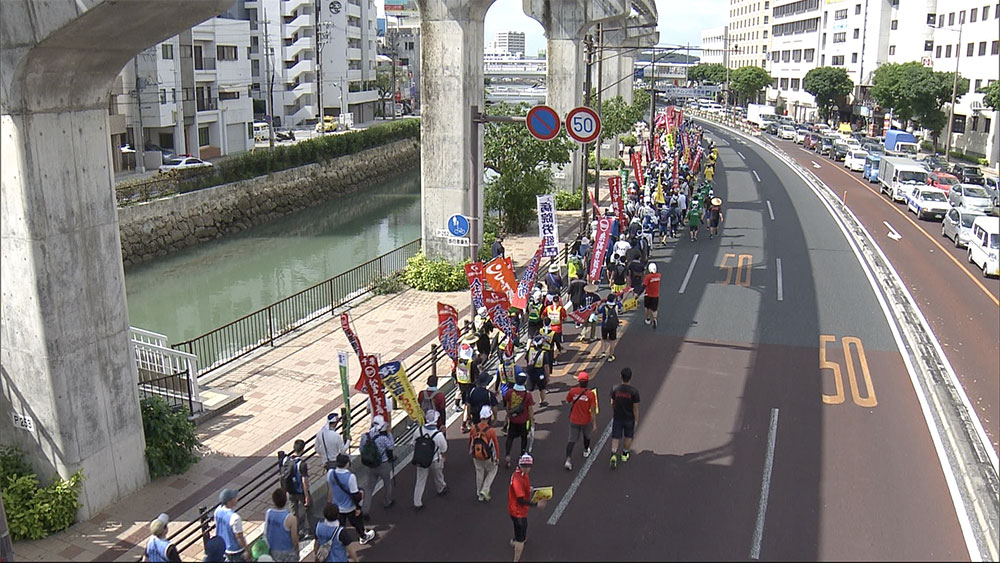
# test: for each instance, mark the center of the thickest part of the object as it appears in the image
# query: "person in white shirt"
(437, 463)
(329, 442)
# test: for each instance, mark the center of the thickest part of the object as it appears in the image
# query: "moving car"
(957, 225)
(960, 168)
(970, 196)
(787, 132)
(856, 160)
(984, 245)
(992, 186)
(934, 163)
(942, 181)
(184, 163)
(870, 171)
(872, 147)
(329, 124)
(927, 202)
(971, 176)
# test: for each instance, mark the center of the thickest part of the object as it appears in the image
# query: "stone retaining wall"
(159, 227)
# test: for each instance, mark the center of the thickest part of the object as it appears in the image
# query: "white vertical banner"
(548, 230)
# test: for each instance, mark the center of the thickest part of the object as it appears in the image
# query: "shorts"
(651, 303)
(578, 430)
(622, 426)
(608, 333)
(664, 228)
(520, 528)
(617, 288)
(694, 228)
(714, 223)
(465, 389)
(536, 379)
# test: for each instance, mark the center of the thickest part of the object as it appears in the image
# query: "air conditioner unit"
(976, 106)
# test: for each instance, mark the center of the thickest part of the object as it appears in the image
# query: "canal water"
(201, 288)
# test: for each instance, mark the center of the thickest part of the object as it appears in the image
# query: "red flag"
(528, 277)
(615, 189)
(500, 276)
(371, 382)
(448, 330)
(593, 202)
(582, 315)
(474, 273)
(498, 306)
(677, 179)
(600, 247)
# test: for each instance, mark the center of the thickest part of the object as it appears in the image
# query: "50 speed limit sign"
(583, 124)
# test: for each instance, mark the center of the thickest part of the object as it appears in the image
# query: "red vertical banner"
(371, 382)
(497, 306)
(593, 203)
(448, 330)
(345, 324)
(528, 277)
(617, 198)
(500, 276)
(677, 178)
(474, 273)
(637, 168)
(600, 247)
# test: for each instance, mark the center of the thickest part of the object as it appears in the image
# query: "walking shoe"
(486, 497)
(443, 491)
(507, 462)
(544, 403)
(586, 453)
(625, 455)
(369, 536)
(568, 465)
(654, 323)
(611, 358)
(389, 504)
(479, 497)
(602, 354)
(614, 461)
(646, 321)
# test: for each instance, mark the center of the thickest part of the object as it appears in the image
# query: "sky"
(677, 27)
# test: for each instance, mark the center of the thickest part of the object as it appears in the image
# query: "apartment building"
(712, 45)
(511, 42)
(748, 30)
(189, 94)
(911, 31)
(399, 43)
(795, 45)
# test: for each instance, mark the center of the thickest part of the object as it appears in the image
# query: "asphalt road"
(735, 401)
(961, 305)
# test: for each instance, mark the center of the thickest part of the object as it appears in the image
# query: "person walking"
(329, 442)
(519, 501)
(537, 364)
(281, 529)
(619, 275)
(556, 314)
(484, 447)
(481, 396)
(379, 459)
(576, 291)
(435, 465)
(694, 219)
(520, 413)
(295, 481)
(433, 398)
(158, 547)
(553, 281)
(346, 496)
(714, 217)
(625, 413)
(609, 326)
(498, 249)
(229, 525)
(590, 297)
(582, 416)
(651, 294)
(333, 539)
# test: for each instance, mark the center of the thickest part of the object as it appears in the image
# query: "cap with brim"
(227, 495)
(590, 288)
(526, 460)
(716, 201)
(554, 268)
(583, 376)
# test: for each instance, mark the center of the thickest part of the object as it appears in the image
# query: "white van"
(261, 131)
(984, 245)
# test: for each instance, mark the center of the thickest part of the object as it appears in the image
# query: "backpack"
(611, 316)
(481, 448)
(423, 449)
(427, 401)
(323, 550)
(288, 470)
(370, 456)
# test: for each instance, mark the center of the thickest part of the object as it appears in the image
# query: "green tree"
(916, 93)
(640, 105)
(523, 166)
(383, 83)
(748, 81)
(992, 95)
(827, 84)
(707, 73)
(616, 117)
(889, 91)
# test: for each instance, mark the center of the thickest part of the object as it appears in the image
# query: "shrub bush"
(613, 163)
(434, 275)
(629, 140)
(568, 201)
(33, 511)
(170, 438)
(385, 285)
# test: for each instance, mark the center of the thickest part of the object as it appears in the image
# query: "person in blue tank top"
(339, 542)
(229, 525)
(158, 547)
(281, 529)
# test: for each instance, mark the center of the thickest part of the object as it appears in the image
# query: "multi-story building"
(795, 44)
(748, 30)
(712, 45)
(966, 38)
(911, 31)
(511, 42)
(400, 42)
(285, 44)
(192, 94)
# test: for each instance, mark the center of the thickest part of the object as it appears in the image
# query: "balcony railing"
(204, 63)
(208, 104)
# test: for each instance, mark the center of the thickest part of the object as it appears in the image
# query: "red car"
(942, 181)
(810, 140)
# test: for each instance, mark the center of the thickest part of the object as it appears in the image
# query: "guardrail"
(260, 328)
(164, 372)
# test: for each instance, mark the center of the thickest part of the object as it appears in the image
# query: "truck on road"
(900, 143)
(756, 113)
(898, 175)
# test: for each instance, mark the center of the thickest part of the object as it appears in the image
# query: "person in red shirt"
(518, 502)
(651, 288)
(556, 314)
(582, 416)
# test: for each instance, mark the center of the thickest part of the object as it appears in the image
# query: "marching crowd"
(495, 396)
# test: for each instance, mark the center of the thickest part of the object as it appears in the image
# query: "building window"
(931, 18)
(203, 138)
(969, 49)
(975, 123)
(797, 55)
(996, 48)
(774, 83)
(229, 95)
(226, 52)
(857, 9)
(986, 16)
(947, 51)
(795, 84)
(824, 40)
(809, 55)
(892, 49)
(857, 33)
(973, 13)
(982, 48)
(786, 56)
(941, 20)
(937, 52)
(163, 97)
(784, 84)
(961, 17)
(854, 57)
(840, 14)
(765, 19)
(928, 45)
(986, 124)
(978, 85)
(167, 51)
(822, 60)
(951, 18)
(837, 60)
(840, 37)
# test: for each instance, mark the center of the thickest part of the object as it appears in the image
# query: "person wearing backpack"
(334, 542)
(281, 529)
(428, 457)
(582, 417)
(518, 403)
(294, 473)
(377, 455)
(433, 398)
(483, 447)
(347, 496)
(609, 326)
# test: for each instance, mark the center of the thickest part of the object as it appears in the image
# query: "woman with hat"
(553, 282)
(158, 547)
(714, 216)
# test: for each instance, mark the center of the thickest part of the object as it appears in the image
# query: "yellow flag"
(659, 190)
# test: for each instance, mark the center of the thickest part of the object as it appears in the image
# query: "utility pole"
(725, 57)
(140, 142)
(652, 90)
(393, 38)
(954, 90)
(269, 77)
(588, 42)
(599, 140)
(322, 36)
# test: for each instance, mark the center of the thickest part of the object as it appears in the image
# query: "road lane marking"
(595, 453)
(741, 155)
(769, 210)
(807, 151)
(687, 277)
(781, 294)
(755, 175)
(892, 232)
(765, 486)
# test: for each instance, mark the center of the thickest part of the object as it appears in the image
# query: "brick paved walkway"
(289, 390)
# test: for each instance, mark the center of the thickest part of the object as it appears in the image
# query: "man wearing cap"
(437, 462)
(158, 547)
(229, 525)
(385, 443)
(519, 407)
(329, 442)
(484, 447)
(498, 249)
(518, 502)
(481, 396)
(553, 282)
(651, 291)
(582, 416)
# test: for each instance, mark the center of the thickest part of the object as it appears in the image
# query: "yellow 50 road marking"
(867, 401)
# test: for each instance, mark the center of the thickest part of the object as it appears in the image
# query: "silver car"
(957, 225)
(969, 196)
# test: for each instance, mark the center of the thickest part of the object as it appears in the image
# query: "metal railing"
(260, 328)
(164, 372)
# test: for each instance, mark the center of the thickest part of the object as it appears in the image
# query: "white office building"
(193, 91)
(911, 31)
(511, 42)
(795, 45)
(712, 45)
(748, 31)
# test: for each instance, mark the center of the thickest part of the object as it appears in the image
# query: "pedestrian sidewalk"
(289, 389)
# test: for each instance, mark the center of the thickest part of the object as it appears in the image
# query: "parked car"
(942, 181)
(926, 201)
(970, 196)
(971, 176)
(825, 145)
(328, 125)
(855, 160)
(787, 132)
(984, 245)
(184, 163)
(840, 150)
(957, 225)
(810, 141)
